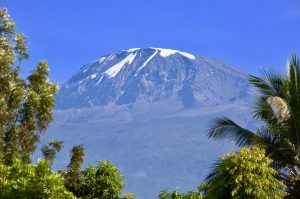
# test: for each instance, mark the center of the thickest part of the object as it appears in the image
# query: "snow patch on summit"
(132, 50)
(101, 59)
(93, 75)
(115, 69)
(167, 52)
(147, 61)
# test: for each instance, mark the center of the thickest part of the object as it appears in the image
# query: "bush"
(245, 174)
(102, 181)
(31, 181)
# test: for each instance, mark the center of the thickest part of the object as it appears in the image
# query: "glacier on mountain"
(147, 61)
(115, 69)
(167, 52)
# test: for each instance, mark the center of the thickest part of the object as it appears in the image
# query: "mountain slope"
(151, 75)
(147, 110)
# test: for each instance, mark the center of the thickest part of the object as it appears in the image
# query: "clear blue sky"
(250, 34)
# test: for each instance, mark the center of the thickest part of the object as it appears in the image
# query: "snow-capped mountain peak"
(167, 52)
(150, 75)
(132, 50)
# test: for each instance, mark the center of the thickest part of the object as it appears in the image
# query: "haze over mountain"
(146, 110)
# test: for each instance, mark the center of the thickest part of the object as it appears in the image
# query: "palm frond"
(278, 148)
(263, 110)
(272, 84)
(224, 128)
(294, 75)
(276, 81)
(263, 86)
(264, 137)
(294, 126)
(213, 172)
(294, 96)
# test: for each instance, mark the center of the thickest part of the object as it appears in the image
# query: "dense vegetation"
(245, 174)
(266, 167)
(26, 107)
(31, 181)
(278, 109)
(199, 194)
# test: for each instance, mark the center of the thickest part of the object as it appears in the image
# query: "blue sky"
(250, 34)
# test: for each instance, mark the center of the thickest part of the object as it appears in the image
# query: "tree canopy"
(102, 181)
(26, 107)
(245, 174)
(25, 104)
(31, 181)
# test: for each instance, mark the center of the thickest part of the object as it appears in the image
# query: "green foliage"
(25, 105)
(129, 196)
(166, 194)
(31, 181)
(25, 112)
(278, 107)
(103, 181)
(245, 174)
(49, 151)
(73, 175)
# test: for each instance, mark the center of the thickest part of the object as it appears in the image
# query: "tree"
(278, 107)
(245, 175)
(73, 175)
(25, 112)
(103, 181)
(200, 194)
(25, 105)
(49, 151)
(31, 181)
(129, 196)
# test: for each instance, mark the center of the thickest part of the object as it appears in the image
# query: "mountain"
(150, 75)
(147, 111)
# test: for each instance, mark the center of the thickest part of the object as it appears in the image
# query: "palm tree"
(50, 150)
(278, 107)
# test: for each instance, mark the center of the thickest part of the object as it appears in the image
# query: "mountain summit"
(151, 75)
(147, 111)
